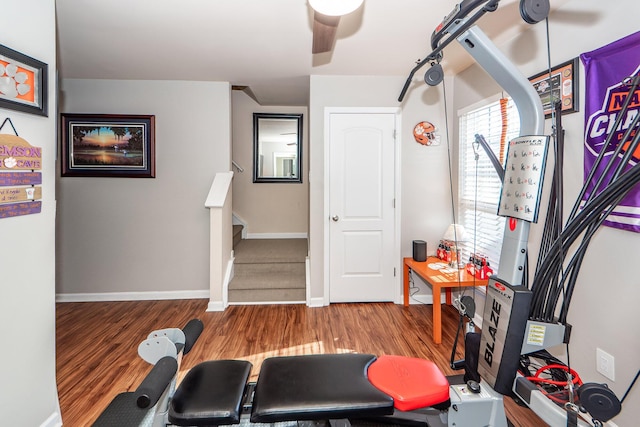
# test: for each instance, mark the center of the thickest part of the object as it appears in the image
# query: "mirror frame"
(256, 149)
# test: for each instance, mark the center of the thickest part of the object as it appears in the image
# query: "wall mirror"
(277, 147)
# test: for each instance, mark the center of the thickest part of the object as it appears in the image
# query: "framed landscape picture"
(108, 145)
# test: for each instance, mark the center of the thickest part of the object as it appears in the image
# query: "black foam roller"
(192, 331)
(156, 382)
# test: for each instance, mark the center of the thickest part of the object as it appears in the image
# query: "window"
(479, 184)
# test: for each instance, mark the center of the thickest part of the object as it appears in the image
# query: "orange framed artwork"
(23, 82)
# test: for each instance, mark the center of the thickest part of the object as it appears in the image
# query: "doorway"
(361, 175)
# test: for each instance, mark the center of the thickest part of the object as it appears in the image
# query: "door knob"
(335, 218)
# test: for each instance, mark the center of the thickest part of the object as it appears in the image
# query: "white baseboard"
(425, 299)
(132, 296)
(228, 277)
(307, 277)
(267, 302)
(277, 235)
(215, 306)
(54, 420)
(237, 220)
(315, 302)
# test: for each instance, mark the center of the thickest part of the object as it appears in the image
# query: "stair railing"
(219, 202)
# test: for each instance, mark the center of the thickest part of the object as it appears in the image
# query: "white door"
(361, 207)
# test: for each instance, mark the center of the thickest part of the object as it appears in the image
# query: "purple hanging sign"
(605, 70)
(20, 178)
(17, 209)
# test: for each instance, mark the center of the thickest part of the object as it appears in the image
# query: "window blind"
(479, 184)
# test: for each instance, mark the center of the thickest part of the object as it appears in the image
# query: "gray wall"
(126, 238)
(608, 286)
(28, 394)
(267, 208)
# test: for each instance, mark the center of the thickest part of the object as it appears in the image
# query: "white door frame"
(397, 264)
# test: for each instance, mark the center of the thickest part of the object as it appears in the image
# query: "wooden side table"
(438, 280)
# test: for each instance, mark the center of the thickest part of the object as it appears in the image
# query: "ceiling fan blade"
(324, 32)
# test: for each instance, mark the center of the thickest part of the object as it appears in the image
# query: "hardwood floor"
(97, 342)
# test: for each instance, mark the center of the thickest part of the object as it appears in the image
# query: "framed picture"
(108, 145)
(561, 83)
(23, 82)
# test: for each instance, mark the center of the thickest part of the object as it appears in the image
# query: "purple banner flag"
(606, 70)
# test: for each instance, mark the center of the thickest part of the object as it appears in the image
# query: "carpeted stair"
(237, 234)
(269, 271)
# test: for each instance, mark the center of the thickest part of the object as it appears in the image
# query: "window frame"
(488, 240)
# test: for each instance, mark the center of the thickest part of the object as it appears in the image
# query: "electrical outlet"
(605, 364)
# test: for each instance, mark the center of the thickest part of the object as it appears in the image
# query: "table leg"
(437, 315)
(406, 285)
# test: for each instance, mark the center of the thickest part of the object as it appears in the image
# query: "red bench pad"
(413, 383)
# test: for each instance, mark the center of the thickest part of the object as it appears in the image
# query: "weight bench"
(307, 388)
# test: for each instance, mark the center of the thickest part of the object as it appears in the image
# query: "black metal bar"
(436, 53)
(492, 156)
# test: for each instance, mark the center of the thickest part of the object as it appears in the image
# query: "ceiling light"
(335, 7)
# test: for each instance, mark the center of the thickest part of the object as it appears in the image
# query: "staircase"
(268, 271)
(237, 234)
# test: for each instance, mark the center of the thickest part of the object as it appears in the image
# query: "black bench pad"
(123, 411)
(211, 394)
(317, 387)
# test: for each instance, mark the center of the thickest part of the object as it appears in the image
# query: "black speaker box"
(419, 250)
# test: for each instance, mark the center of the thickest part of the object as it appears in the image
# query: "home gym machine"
(347, 389)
